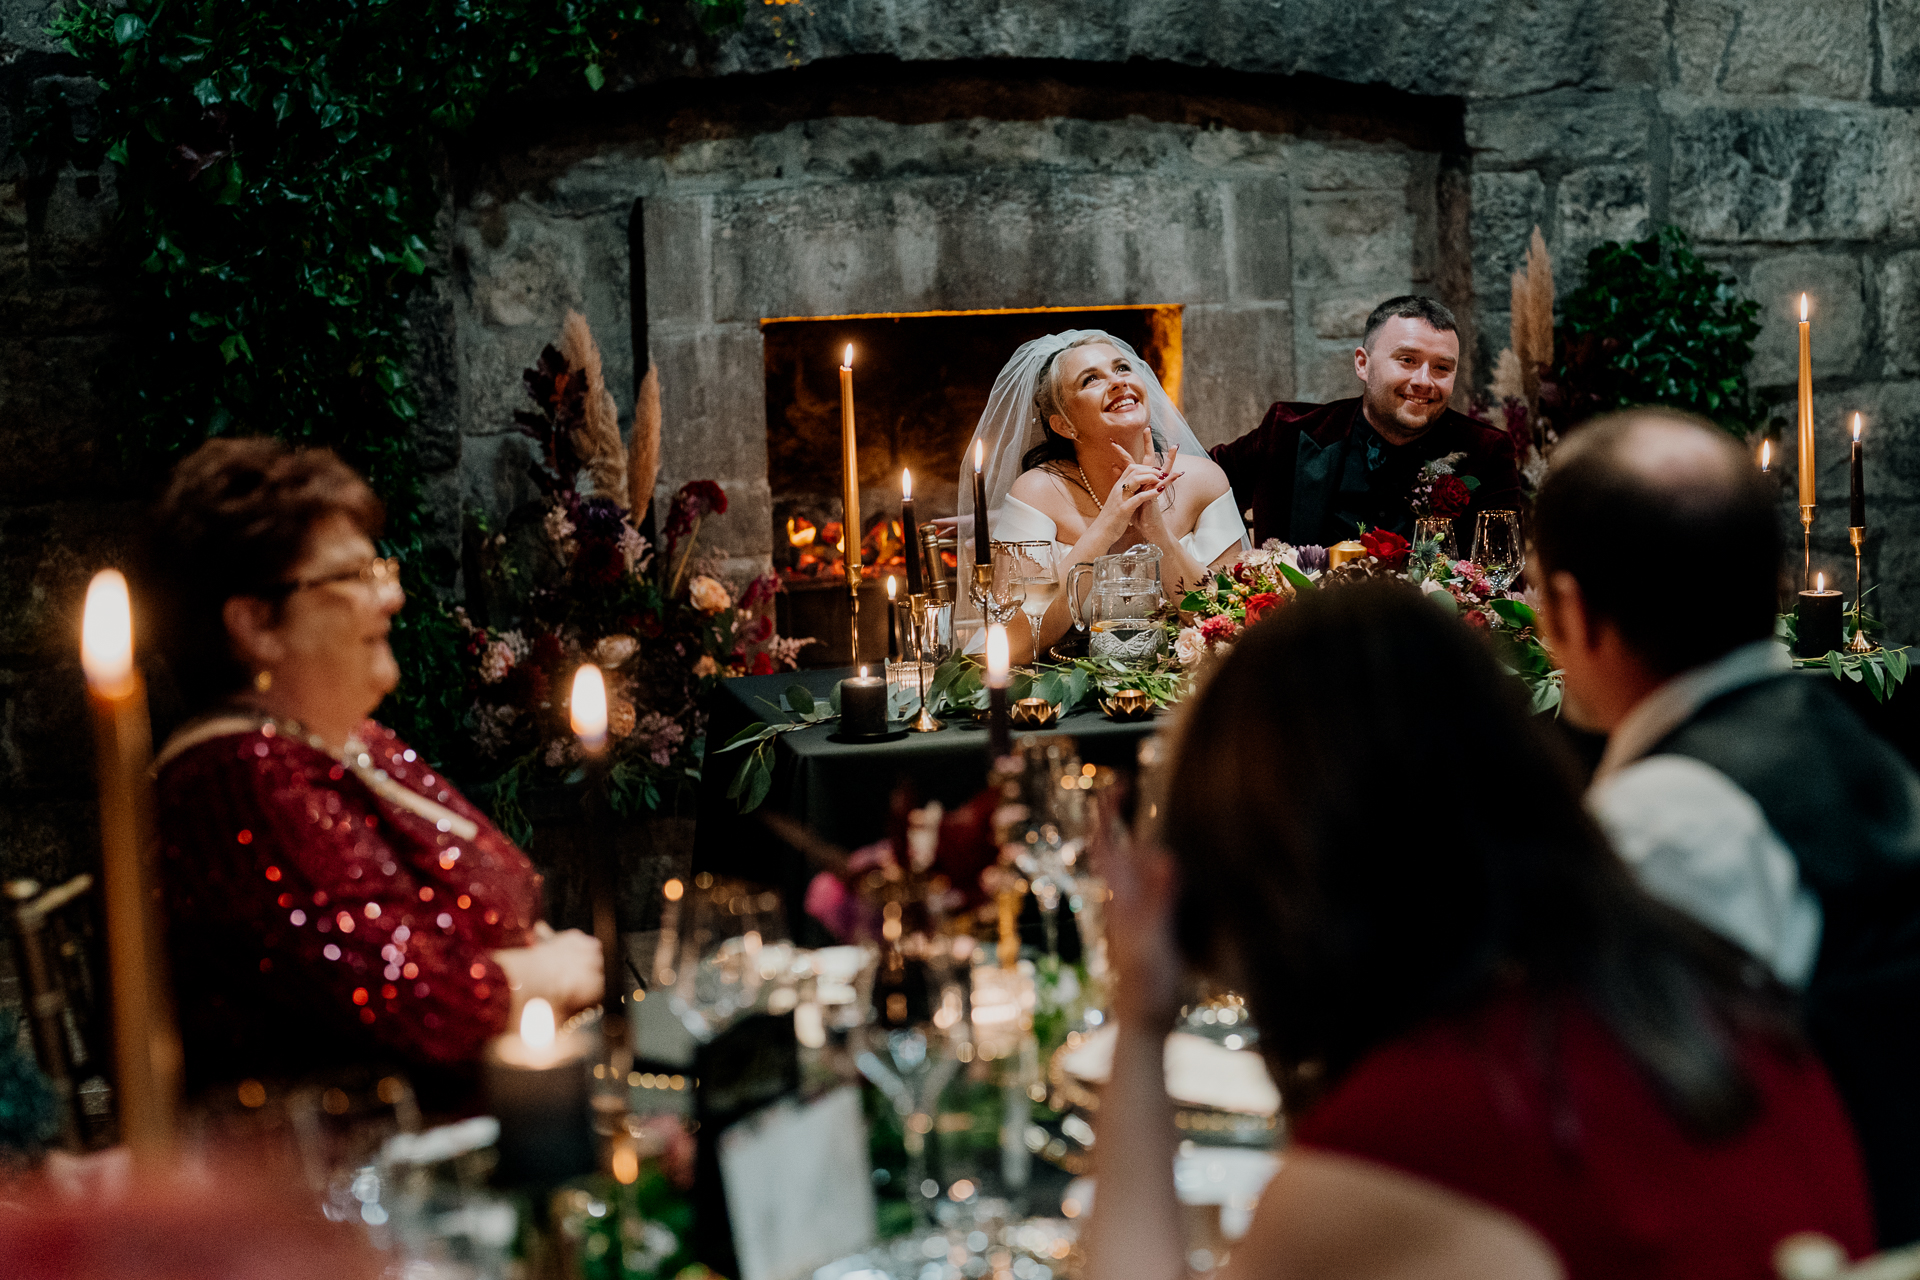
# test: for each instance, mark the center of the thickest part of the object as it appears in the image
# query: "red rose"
(1389, 548)
(1475, 618)
(762, 664)
(1259, 603)
(1451, 497)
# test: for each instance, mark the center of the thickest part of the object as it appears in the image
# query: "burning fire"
(819, 549)
(800, 531)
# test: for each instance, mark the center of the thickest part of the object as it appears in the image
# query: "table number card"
(799, 1189)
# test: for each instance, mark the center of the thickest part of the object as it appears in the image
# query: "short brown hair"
(1408, 306)
(233, 521)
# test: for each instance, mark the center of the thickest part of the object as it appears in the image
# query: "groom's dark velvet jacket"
(1313, 473)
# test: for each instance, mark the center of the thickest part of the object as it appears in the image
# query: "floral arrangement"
(1211, 618)
(574, 579)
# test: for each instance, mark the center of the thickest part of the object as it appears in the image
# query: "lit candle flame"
(1766, 454)
(997, 660)
(848, 362)
(536, 1024)
(106, 635)
(906, 482)
(1803, 312)
(979, 454)
(863, 671)
(891, 587)
(589, 706)
(1856, 426)
(1819, 582)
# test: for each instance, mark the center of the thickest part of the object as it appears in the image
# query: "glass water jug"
(1120, 607)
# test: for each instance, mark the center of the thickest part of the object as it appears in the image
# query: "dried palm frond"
(598, 438)
(643, 456)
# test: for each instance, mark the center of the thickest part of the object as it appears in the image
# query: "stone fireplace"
(741, 256)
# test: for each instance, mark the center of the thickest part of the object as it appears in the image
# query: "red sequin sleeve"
(291, 885)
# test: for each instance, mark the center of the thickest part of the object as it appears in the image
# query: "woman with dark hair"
(1498, 1056)
(1082, 448)
(329, 898)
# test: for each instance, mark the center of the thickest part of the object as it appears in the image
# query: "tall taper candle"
(1000, 736)
(146, 1046)
(1857, 506)
(893, 618)
(1806, 412)
(910, 534)
(982, 547)
(587, 715)
(850, 512)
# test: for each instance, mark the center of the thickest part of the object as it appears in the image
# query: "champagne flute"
(1497, 548)
(1009, 589)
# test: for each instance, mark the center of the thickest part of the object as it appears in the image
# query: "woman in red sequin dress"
(330, 898)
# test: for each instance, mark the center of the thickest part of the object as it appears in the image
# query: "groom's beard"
(1388, 414)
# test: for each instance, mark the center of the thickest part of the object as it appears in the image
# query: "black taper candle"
(982, 546)
(1857, 511)
(910, 534)
(999, 722)
(893, 620)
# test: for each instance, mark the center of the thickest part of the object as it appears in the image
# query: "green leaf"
(235, 347)
(1300, 581)
(1872, 672)
(1193, 602)
(752, 733)
(128, 27)
(1834, 664)
(1515, 613)
(799, 697)
(1897, 664)
(118, 152)
(206, 93)
(596, 78)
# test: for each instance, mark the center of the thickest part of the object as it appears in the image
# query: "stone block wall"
(1275, 246)
(1268, 201)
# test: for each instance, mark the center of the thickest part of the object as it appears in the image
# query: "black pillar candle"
(540, 1088)
(1816, 621)
(863, 707)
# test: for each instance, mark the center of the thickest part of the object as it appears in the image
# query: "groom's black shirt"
(1314, 473)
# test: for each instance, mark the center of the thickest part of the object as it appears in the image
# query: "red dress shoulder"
(312, 922)
(1574, 1142)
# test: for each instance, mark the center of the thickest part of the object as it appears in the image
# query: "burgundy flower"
(1214, 630)
(697, 498)
(762, 664)
(1450, 497)
(1389, 548)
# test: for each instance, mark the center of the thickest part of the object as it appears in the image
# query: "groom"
(1314, 473)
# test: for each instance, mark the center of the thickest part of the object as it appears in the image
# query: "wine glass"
(728, 942)
(1034, 563)
(1008, 589)
(1497, 548)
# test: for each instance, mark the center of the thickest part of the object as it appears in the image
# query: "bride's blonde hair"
(1053, 446)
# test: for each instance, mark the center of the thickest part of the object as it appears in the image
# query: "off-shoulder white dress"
(1218, 527)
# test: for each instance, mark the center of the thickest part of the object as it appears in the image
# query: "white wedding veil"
(1011, 424)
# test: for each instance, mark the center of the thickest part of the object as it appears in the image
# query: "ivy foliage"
(278, 181)
(1652, 324)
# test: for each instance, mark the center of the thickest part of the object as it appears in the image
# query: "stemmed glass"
(1034, 563)
(1497, 548)
(1006, 593)
(719, 947)
(912, 1067)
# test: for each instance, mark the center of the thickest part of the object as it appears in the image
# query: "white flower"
(490, 728)
(557, 752)
(637, 550)
(614, 650)
(1189, 646)
(1430, 587)
(709, 595)
(496, 660)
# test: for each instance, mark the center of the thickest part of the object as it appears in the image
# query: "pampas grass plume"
(643, 458)
(599, 443)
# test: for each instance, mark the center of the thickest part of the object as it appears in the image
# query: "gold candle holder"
(1034, 713)
(917, 611)
(1806, 530)
(1341, 552)
(1857, 534)
(1127, 704)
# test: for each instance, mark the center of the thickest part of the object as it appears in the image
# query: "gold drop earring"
(262, 680)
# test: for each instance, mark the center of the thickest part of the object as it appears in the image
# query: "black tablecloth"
(841, 790)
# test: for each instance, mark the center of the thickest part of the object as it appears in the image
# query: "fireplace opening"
(921, 382)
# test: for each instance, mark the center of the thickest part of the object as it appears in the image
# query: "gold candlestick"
(1806, 532)
(1857, 534)
(850, 511)
(917, 614)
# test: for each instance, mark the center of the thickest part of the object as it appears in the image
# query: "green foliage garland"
(277, 174)
(1653, 324)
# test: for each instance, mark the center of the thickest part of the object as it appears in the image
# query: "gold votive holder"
(1034, 713)
(1341, 552)
(1127, 704)
(904, 677)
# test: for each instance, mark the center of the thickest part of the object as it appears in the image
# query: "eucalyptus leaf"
(1300, 581)
(1897, 664)
(800, 699)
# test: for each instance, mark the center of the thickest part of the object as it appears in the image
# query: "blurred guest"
(1738, 790)
(329, 897)
(1499, 1057)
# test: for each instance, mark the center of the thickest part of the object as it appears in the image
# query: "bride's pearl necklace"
(1098, 505)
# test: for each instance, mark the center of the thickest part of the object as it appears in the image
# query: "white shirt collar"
(1675, 702)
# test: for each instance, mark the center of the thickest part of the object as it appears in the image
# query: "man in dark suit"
(1314, 473)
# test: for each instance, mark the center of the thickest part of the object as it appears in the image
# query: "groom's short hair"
(1408, 306)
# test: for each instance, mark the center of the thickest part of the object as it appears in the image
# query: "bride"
(1083, 449)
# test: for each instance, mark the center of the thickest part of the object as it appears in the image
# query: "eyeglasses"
(382, 575)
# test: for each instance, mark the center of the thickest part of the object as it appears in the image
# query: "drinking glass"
(1008, 590)
(1034, 563)
(1497, 548)
(722, 943)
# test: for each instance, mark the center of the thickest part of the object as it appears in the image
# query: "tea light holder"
(1034, 713)
(1341, 552)
(1127, 705)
